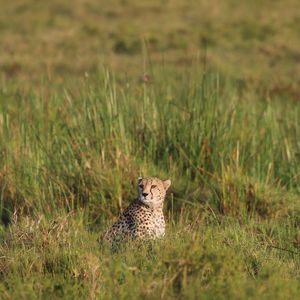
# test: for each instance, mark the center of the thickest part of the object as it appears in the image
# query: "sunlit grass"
(94, 94)
(70, 157)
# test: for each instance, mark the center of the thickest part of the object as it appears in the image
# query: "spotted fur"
(143, 218)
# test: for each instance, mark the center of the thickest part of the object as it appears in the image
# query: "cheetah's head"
(152, 191)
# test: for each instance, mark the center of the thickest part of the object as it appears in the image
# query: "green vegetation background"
(95, 93)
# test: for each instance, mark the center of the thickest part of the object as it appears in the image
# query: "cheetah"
(143, 219)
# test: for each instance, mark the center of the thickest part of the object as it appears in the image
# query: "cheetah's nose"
(145, 194)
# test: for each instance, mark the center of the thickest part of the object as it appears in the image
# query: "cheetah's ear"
(167, 183)
(140, 179)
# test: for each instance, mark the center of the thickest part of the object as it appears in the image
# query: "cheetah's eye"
(153, 186)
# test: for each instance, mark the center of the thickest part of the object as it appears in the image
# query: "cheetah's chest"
(149, 223)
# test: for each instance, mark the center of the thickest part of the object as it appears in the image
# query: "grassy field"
(97, 93)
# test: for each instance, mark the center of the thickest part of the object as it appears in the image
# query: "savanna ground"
(95, 93)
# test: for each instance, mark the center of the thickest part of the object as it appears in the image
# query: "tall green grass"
(64, 147)
(69, 159)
